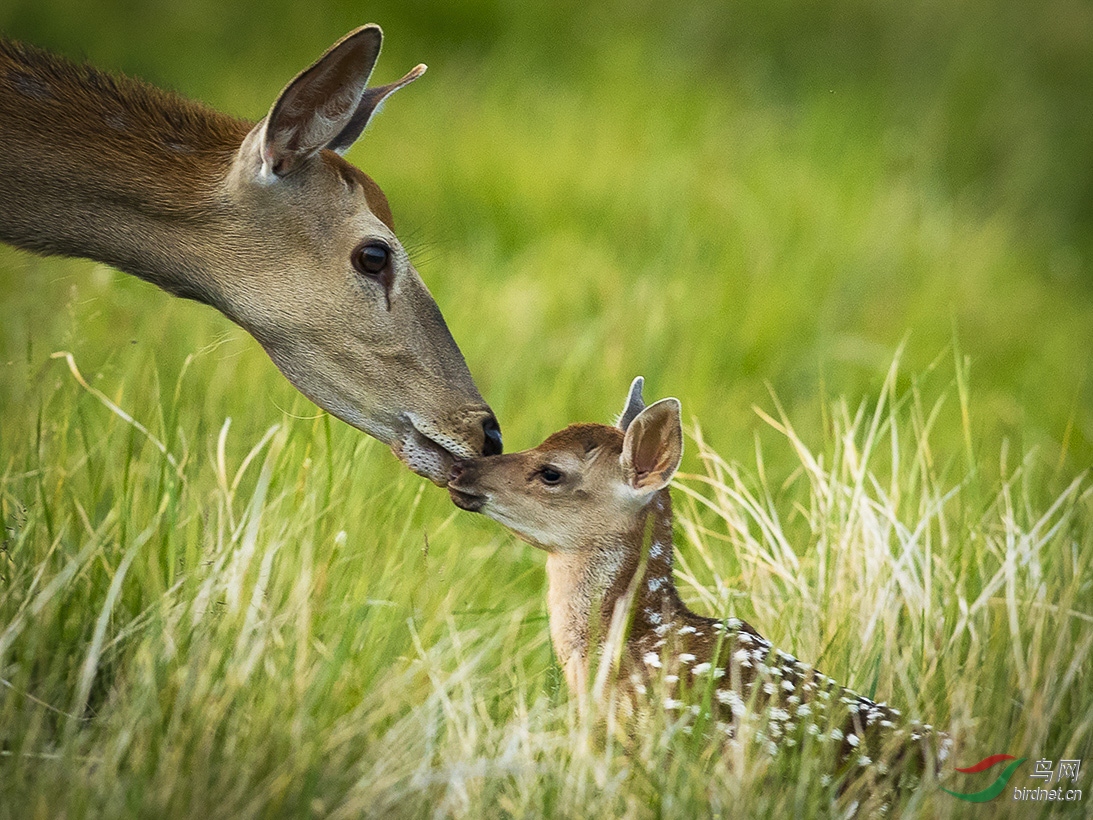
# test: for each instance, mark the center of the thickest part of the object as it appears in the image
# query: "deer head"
(327, 288)
(583, 487)
(269, 224)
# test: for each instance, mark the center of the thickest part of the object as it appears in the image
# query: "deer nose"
(456, 472)
(491, 444)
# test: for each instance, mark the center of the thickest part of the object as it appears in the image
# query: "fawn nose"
(491, 444)
(456, 472)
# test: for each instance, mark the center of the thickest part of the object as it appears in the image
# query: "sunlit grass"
(291, 625)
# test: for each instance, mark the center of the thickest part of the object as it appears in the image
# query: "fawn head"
(582, 485)
(319, 278)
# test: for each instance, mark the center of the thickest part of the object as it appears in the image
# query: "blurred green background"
(730, 199)
(717, 196)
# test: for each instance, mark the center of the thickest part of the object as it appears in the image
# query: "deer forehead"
(355, 179)
(342, 189)
(582, 444)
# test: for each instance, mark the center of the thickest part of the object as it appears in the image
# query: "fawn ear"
(327, 105)
(653, 446)
(634, 404)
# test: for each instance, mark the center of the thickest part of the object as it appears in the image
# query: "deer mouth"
(424, 456)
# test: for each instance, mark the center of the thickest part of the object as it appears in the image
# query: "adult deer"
(267, 223)
(596, 499)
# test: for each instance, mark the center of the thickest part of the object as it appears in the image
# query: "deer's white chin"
(424, 456)
(413, 448)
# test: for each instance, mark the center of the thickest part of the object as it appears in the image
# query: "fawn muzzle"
(462, 489)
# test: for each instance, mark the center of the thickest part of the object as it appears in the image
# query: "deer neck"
(588, 582)
(111, 169)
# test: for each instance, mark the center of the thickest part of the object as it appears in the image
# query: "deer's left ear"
(653, 446)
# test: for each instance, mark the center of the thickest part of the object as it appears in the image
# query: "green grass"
(302, 629)
(759, 208)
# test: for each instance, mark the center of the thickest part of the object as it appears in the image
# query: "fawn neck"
(112, 169)
(587, 582)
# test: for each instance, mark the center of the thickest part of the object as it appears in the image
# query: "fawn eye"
(371, 258)
(549, 475)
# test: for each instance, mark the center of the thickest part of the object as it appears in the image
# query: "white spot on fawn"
(732, 700)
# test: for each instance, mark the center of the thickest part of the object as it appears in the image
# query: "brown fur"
(377, 200)
(81, 144)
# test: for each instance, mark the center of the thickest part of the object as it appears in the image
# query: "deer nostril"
(456, 472)
(491, 445)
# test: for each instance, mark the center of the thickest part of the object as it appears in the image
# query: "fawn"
(596, 499)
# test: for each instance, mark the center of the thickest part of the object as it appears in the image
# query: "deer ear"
(317, 105)
(371, 102)
(327, 105)
(653, 446)
(634, 404)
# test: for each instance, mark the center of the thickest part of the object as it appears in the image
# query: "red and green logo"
(994, 789)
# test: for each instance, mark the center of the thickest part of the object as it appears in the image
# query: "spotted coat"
(677, 655)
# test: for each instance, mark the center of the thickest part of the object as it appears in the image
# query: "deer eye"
(550, 476)
(371, 258)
